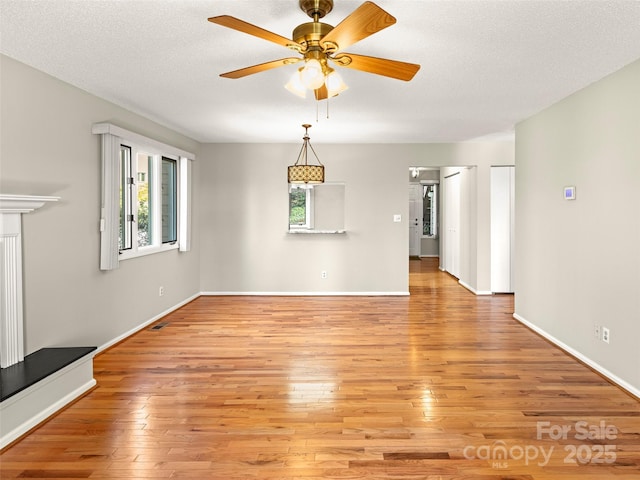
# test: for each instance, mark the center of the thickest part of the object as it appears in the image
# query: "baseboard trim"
(148, 322)
(305, 294)
(30, 407)
(473, 290)
(582, 358)
(127, 334)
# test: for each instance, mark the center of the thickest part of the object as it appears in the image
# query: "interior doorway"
(424, 212)
(470, 213)
(415, 219)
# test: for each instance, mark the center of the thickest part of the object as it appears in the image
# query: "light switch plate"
(397, 218)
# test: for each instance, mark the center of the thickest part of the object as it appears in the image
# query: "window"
(169, 189)
(148, 201)
(316, 208)
(126, 199)
(146, 190)
(144, 166)
(430, 210)
(300, 206)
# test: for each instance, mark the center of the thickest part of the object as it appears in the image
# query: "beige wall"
(240, 239)
(244, 223)
(47, 148)
(245, 247)
(578, 262)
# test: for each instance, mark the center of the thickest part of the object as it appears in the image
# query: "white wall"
(578, 262)
(245, 247)
(47, 149)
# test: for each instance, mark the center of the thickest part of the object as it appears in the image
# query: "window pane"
(144, 171)
(169, 192)
(124, 234)
(430, 210)
(297, 206)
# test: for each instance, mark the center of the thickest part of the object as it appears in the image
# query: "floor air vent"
(159, 326)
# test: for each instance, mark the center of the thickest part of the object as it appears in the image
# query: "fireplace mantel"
(23, 203)
(11, 313)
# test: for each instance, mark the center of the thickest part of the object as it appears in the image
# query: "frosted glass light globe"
(311, 75)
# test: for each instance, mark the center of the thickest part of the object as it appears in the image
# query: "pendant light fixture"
(301, 171)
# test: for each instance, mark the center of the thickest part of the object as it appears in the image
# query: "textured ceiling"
(485, 64)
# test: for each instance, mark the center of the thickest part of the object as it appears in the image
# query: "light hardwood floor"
(433, 386)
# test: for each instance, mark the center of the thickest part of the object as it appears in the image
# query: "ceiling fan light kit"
(305, 79)
(335, 84)
(311, 74)
(295, 85)
(320, 43)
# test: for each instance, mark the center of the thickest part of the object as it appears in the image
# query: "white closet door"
(452, 224)
(502, 228)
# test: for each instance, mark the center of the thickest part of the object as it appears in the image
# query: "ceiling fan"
(320, 43)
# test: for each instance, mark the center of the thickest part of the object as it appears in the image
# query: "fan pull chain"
(318, 110)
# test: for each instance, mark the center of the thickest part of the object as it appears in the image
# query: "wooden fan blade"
(321, 93)
(379, 66)
(245, 27)
(243, 72)
(365, 20)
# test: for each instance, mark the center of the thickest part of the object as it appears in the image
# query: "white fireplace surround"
(12, 207)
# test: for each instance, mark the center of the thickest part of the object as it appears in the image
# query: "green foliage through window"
(297, 206)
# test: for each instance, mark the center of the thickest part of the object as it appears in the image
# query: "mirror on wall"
(316, 208)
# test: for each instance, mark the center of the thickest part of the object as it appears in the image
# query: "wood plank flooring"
(441, 385)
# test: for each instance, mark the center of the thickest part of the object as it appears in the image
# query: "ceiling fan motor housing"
(309, 34)
(316, 7)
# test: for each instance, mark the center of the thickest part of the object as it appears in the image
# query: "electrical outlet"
(161, 291)
(606, 336)
(596, 331)
(323, 274)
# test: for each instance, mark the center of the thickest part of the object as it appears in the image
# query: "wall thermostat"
(570, 193)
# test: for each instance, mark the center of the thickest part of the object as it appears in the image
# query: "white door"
(452, 224)
(415, 219)
(502, 228)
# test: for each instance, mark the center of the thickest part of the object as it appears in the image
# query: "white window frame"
(308, 205)
(155, 213)
(112, 138)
